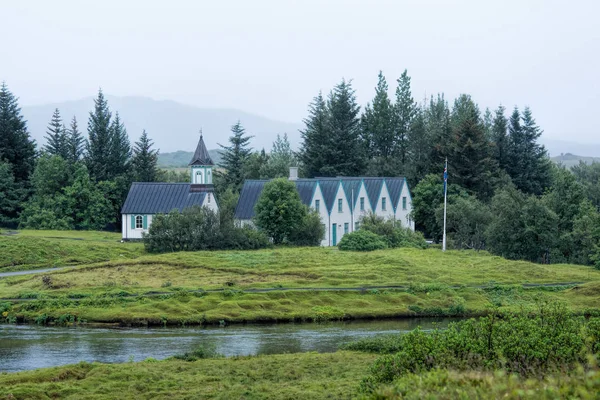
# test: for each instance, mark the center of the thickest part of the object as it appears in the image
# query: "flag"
(445, 175)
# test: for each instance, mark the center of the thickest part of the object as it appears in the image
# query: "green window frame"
(340, 206)
(318, 205)
(346, 226)
(362, 204)
(383, 203)
(404, 203)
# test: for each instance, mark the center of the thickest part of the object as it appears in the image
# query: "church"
(146, 199)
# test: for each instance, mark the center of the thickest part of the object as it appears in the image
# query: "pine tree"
(235, 157)
(56, 137)
(377, 122)
(315, 137)
(345, 153)
(470, 163)
(120, 148)
(10, 196)
(99, 143)
(16, 146)
(279, 160)
(500, 138)
(75, 142)
(439, 132)
(419, 149)
(404, 113)
(488, 123)
(145, 159)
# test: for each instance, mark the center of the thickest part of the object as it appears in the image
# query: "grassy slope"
(290, 376)
(42, 249)
(428, 276)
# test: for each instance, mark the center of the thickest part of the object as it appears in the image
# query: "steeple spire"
(201, 156)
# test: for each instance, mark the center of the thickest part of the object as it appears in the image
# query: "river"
(26, 347)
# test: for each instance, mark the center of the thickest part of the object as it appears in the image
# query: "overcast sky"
(271, 57)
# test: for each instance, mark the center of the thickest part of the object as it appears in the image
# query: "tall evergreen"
(345, 153)
(419, 149)
(144, 160)
(405, 109)
(315, 137)
(235, 156)
(439, 132)
(120, 148)
(500, 138)
(528, 166)
(99, 143)
(75, 142)
(378, 122)
(280, 159)
(56, 137)
(10, 195)
(470, 161)
(16, 146)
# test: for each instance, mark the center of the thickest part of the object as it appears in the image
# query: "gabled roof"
(248, 197)
(201, 156)
(329, 188)
(306, 189)
(373, 186)
(160, 198)
(394, 186)
(351, 187)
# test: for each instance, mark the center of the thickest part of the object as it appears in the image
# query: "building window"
(318, 205)
(383, 203)
(139, 222)
(356, 225)
(362, 204)
(404, 203)
(208, 198)
(340, 205)
(199, 177)
(345, 227)
(324, 231)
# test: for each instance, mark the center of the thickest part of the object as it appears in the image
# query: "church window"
(139, 222)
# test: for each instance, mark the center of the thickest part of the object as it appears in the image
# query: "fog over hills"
(173, 126)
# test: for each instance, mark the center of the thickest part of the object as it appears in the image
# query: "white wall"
(318, 195)
(129, 233)
(389, 207)
(402, 215)
(340, 218)
(210, 202)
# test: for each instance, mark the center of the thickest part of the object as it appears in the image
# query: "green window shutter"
(133, 222)
(145, 222)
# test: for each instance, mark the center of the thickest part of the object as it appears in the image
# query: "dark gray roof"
(306, 189)
(373, 187)
(158, 198)
(248, 197)
(329, 188)
(201, 156)
(394, 186)
(351, 187)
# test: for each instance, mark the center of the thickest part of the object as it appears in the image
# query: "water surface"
(25, 347)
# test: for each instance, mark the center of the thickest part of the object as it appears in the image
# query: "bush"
(199, 228)
(394, 234)
(310, 232)
(362, 240)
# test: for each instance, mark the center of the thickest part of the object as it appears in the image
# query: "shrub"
(279, 210)
(201, 352)
(392, 231)
(310, 232)
(362, 240)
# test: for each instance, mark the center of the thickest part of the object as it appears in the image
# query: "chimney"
(293, 173)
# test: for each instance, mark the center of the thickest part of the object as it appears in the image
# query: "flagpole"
(445, 198)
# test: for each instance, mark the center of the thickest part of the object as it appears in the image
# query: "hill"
(173, 126)
(569, 160)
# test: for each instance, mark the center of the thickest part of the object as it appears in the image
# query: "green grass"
(31, 249)
(288, 376)
(434, 283)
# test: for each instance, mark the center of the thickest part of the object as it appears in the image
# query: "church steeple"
(201, 164)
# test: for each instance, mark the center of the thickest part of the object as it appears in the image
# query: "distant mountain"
(181, 159)
(569, 160)
(172, 126)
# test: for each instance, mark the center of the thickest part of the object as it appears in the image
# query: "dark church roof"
(201, 156)
(161, 198)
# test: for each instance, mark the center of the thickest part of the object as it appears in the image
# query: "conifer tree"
(500, 138)
(470, 163)
(120, 148)
(99, 144)
(377, 122)
(279, 160)
(437, 123)
(419, 149)
(144, 160)
(345, 153)
(10, 195)
(235, 157)
(56, 137)
(16, 146)
(404, 112)
(315, 137)
(75, 142)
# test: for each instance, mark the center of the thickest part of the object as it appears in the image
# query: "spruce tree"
(315, 138)
(56, 137)
(10, 195)
(470, 163)
(235, 156)
(279, 160)
(144, 160)
(16, 146)
(500, 138)
(419, 149)
(404, 113)
(75, 142)
(345, 153)
(439, 132)
(99, 143)
(120, 148)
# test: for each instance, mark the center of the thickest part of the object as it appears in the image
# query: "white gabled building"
(340, 202)
(146, 199)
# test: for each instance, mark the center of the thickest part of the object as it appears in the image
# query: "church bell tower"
(202, 165)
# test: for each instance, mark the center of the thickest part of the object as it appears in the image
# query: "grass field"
(119, 282)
